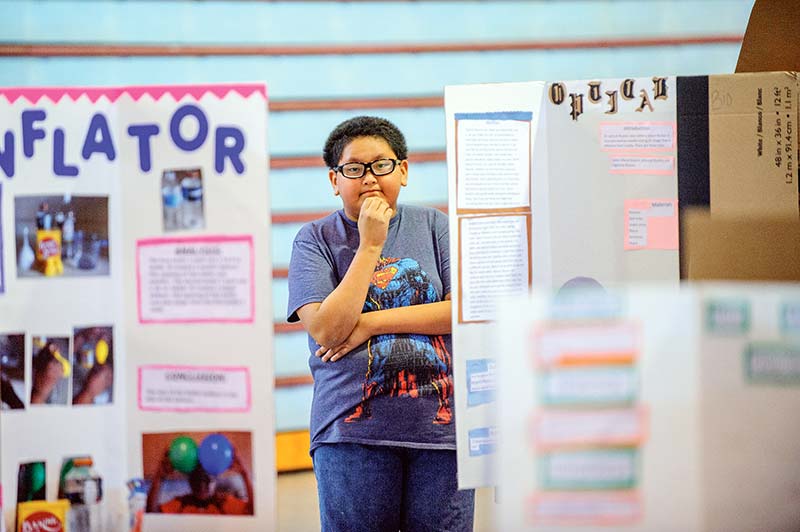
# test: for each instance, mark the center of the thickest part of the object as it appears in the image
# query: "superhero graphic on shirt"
(404, 364)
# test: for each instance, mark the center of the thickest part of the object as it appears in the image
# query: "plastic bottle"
(91, 253)
(68, 235)
(42, 214)
(60, 218)
(83, 487)
(26, 255)
(77, 249)
(137, 501)
(172, 199)
(192, 188)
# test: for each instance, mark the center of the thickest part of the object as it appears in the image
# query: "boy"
(371, 285)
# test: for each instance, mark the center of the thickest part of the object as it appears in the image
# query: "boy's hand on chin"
(373, 221)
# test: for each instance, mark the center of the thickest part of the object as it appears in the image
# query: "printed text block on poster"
(194, 388)
(195, 280)
(493, 160)
(494, 262)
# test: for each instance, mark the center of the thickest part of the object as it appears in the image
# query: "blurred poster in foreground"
(651, 408)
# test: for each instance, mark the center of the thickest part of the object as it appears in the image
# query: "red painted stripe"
(295, 380)
(299, 161)
(311, 161)
(120, 50)
(343, 104)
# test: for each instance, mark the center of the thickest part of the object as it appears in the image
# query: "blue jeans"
(374, 488)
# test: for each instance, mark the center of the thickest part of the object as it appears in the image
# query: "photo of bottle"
(182, 199)
(83, 488)
(62, 235)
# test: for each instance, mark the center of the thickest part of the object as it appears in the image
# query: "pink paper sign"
(208, 279)
(610, 427)
(165, 388)
(641, 164)
(638, 137)
(585, 345)
(584, 509)
(651, 224)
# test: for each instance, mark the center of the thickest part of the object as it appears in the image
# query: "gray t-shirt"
(395, 389)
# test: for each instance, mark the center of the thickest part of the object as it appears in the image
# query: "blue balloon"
(215, 454)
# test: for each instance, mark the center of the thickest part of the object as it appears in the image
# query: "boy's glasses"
(356, 170)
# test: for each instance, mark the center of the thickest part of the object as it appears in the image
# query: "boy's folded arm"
(428, 318)
(331, 321)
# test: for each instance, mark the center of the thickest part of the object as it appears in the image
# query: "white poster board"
(148, 209)
(650, 409)
(493, 150)
(550, 184)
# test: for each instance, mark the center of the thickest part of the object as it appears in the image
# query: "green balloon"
(37, 475)
(183, 454)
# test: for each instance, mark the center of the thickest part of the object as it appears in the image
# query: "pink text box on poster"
(170, 388)
(584, 509)
(638, 137)
(620, 163)
(207, 279)
(610, 427)
(651, 224)
(585, 345)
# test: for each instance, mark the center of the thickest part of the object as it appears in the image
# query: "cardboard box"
(740, 249)
(738, 143)
(771, 40)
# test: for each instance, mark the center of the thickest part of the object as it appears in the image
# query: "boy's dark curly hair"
(363, 126)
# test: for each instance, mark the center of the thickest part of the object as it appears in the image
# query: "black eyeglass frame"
(368, 166)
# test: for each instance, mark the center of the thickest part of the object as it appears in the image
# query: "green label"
(589, 386)
(772, 363)
(790, 318)
(597, 469)
(728, 316)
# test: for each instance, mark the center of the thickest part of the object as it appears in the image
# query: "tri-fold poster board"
(135, 301)
(650, 408)
(571, 184)
(550, 184)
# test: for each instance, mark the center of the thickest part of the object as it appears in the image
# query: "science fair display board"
(650, 409)
(135, 295)
(551, 184)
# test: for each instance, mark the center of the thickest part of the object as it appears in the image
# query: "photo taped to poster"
(61, 236)
(199, 472)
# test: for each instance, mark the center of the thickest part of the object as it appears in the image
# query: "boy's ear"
(332, 176)
(404, 172)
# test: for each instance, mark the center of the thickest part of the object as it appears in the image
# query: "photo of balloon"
(37, 474)
(215, 454)
(202, 471)
(183, 454)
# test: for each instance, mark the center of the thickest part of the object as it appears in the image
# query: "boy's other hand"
(373, 221)
(358, 336)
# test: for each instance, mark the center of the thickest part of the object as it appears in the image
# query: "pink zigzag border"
(56, 94)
